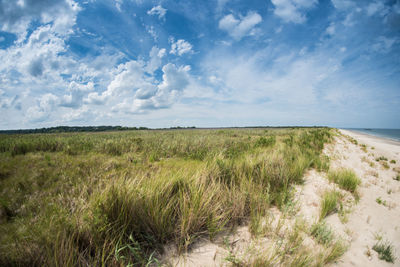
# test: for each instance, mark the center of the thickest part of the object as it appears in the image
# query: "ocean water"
(393, 134)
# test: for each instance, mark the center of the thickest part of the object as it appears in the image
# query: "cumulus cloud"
(15, 16)
(133, 90)
(243, 26)
(158, 11)
(156, 56)
(43, 108)
(181, 47)
(76, 92)
(292, 10)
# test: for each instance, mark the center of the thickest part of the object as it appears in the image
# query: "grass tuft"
(385, 251)
(345, 178)
(329, 203)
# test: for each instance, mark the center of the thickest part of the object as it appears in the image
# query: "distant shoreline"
(373, 133)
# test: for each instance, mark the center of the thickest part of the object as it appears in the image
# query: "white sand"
(365, 221)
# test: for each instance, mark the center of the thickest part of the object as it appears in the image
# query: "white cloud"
(152, 32)
(331, 29)
(118, 4)
(292, 10)
(289, 79)
(155, 61)
(349, 21)
(243, 26)
(43, 108)
(16, 17)
(181, 47)
(343, 4)
(221, 4)
(76, 93)
(384, 44)
(158, 11)
(133, 90)
(376, 8)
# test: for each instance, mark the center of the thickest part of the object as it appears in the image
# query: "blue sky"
(199, 63)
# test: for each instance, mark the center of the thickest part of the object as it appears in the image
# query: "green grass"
(385, 251)
(345, 178)
(116, 198)
(393, 161)
(329, 203)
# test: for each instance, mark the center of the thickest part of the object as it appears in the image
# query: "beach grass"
(345, 178)
(329, 203)
(117, 198)
(385, 251)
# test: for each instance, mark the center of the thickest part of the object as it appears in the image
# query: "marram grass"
(345, 178)
(115, 199)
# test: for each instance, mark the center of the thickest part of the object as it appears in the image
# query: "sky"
(203, 63)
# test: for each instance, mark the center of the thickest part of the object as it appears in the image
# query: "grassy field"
(116, 198)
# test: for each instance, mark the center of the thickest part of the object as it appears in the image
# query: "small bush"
(322, 233)
(393, 161)
(329, 203)
(345, 178)
(385, 251)
(397, 178)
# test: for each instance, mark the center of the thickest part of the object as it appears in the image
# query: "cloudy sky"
(199, 63)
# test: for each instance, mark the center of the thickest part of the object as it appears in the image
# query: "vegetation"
(116, 198)
(345, 178)
(385, 251)
(329, 203)
(381, 202)
(381, 158)
(322, 233)
(72, 129)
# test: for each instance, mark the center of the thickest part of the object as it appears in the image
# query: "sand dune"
(364, 222)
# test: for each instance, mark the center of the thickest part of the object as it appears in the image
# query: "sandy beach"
(365, 223)
(370, 220)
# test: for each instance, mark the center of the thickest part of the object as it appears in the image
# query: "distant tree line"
(70, 129)
(67, 129)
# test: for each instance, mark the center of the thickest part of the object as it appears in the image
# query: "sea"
(393, 134)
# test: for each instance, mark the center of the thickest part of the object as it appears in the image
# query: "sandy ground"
(369, 219)
(362, 224)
